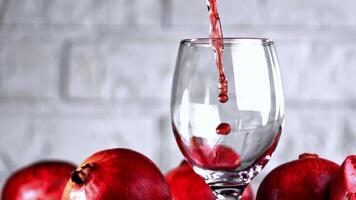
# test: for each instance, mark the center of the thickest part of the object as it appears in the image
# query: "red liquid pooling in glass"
(217, 157)
(223, 129)
(201, 154)
(217, 44)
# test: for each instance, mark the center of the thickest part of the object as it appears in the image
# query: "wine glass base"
(228, 193)
(219, 179)
(229, 185)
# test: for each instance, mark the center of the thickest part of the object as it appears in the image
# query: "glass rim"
(228, 41)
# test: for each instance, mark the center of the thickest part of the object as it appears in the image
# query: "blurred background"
(80, 76)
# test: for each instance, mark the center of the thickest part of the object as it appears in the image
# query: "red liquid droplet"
(223, 129)
(217, 44)
(223, 98)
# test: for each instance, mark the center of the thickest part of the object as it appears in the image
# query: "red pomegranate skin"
(117, 174)
(44, 180)
(344, 186)
(308, 178)
(185, 184)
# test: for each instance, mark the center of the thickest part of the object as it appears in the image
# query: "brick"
(83, 12)
(189, 13)
(87, 74)
(27, 68)
(263, 12)
(121, 69)
(308, 13)
(318, 70)
(74, 139)
(145, 70)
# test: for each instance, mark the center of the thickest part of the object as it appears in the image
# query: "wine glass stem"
(228, 193)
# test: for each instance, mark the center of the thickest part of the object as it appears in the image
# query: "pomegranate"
(41, 180)
(117, 174)
(308, 178)
(344, 186)
(185, 184)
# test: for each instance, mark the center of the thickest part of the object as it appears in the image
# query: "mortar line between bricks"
(300, 104)
(71, 26)
(166, 13)
(3, 8)
(64, 70)
(321, 104)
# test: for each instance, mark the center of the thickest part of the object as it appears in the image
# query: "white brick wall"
(76, 77)
(82, 12)
(268, 12)
(26, 64)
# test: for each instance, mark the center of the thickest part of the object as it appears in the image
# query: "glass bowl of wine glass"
(229, 141)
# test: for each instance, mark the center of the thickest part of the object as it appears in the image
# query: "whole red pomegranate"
(117, 174)
(344, 186)
(185, 184)
(308, 178)
(41, 180)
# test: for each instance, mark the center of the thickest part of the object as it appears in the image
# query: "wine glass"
(227, 144)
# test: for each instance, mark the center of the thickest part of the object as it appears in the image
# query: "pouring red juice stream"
(217, 43)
